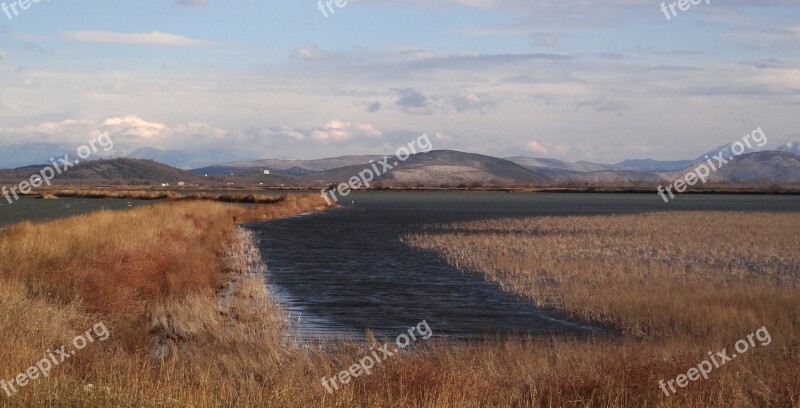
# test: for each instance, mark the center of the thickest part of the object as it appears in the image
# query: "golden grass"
(179, 282)
(676, 285)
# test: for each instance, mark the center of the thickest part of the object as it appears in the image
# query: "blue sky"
(264, 79)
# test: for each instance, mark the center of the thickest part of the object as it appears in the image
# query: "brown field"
(191, 327)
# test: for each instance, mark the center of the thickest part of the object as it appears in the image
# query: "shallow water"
(345, 270)
(29, 209)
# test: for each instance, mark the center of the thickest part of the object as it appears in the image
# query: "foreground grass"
(677, 285)
(192, 326)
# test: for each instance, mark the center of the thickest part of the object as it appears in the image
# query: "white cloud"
(310, 54)
(192, 2)
(472, 102)
(339, 131)
(545, 148)
(152, 38)
(135, 126)
(536, 147)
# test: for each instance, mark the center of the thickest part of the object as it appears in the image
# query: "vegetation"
(163, 195)
(192, 325)
(676, 286)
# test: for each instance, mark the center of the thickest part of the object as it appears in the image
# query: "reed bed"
(676, 285)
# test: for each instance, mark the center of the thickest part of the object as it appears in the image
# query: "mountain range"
(438, 168)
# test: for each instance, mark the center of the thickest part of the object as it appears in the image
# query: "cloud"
(612, 55)
(373, 106)
(129, 132)
(472, 102)
(491, 31)
(758, 37)
(310, 54)
(152, 38)
(536, 147)
(545, 148)
(192, 2)
(283, 133)
(133, 125)
(481, 61)
(412, 102)
(339, 131)
(601, 105)
(549, 40)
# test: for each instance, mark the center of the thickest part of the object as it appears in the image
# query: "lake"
(346, 270)
(30, 209)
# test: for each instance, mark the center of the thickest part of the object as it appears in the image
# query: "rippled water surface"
(42, 210)
(346, 270)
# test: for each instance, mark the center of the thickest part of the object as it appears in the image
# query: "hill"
(760, 167)
(288, 167)
(442, 168)
(581, 166)
(115, 171)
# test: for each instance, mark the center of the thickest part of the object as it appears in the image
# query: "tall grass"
(676, 285)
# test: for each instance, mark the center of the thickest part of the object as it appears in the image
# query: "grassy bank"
(677, 285)
(149, 273)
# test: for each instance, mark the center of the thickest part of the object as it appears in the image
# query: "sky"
(602, 81)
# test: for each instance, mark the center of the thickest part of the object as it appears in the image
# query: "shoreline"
(271, 195)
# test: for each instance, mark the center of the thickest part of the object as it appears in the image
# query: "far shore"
(242, 194)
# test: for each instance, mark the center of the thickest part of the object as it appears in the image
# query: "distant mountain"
(791, 147)
(667, 166)
(307, 165)
(655, 165)
(115, 171)
(18, 155)
(438, 168)
(581, 166)
(441, 168)
(184, 159)
(760, 167)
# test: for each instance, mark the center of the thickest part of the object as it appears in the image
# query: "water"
(345, 271)
(29, 209)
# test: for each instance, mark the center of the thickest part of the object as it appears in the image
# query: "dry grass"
(242, 198)
(181, 273)
(676, 285)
